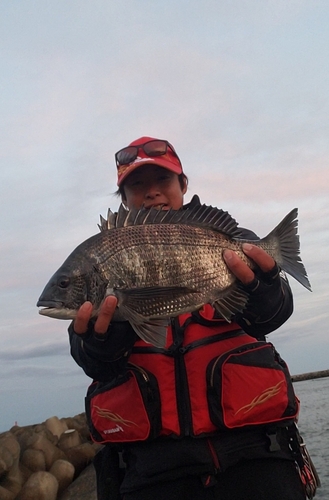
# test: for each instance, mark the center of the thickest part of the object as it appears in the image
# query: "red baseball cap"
(147, 151)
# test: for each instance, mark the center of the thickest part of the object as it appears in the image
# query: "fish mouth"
(50, 303)
(55, 309)
(55, 312)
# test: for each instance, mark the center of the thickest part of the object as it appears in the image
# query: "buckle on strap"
(274, 443)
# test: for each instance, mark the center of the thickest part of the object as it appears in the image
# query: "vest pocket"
(250, 385)
(125, 410)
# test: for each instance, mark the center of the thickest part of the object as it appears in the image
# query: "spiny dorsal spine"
(202, 215)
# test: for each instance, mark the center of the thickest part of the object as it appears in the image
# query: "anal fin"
(153, 332)
(232, 303)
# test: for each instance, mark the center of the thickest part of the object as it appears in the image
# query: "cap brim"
(125, 170)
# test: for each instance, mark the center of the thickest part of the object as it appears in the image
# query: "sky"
(239, 87)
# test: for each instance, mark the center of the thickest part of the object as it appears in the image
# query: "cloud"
(22, 372)
(38, 351)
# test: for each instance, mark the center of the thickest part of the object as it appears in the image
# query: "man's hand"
(103, 320)
(241, 270)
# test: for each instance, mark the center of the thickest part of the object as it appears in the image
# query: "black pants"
(266, 479)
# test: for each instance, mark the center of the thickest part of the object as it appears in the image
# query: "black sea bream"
(160, 264)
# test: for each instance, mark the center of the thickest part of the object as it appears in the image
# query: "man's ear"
(184, 185)
(123, 197)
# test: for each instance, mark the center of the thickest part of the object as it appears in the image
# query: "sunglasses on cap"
(151, 148)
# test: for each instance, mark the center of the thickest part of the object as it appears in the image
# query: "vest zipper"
(182, 389)
(210, 340)
(214, 366)
(145, 377)
(224, 356)
(140, 370)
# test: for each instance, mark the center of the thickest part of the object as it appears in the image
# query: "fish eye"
(63, 282)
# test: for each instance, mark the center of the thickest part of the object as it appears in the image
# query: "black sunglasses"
(151, 148)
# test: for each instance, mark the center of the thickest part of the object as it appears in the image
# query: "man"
(183, 449)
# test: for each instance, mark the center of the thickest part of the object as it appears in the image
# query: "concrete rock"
(83, 488)
(69, 439)
(56, 426)
(34, 460)
(40, 486)
(63, 471)
(48, 461)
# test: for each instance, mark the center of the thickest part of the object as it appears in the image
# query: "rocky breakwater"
(48, 461)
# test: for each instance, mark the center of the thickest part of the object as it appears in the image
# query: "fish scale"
(174, 250)
(160, 264)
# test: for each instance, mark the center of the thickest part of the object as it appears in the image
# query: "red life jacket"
(211, 376)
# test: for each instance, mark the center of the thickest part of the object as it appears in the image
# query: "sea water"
(313, 425)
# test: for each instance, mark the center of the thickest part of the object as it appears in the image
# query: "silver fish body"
(160, 264)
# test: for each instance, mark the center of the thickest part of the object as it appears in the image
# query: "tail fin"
(289, 248)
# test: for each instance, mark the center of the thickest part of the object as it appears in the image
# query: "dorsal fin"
(108, 223)
(201, 215)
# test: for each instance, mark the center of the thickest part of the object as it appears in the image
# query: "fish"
(163, 263)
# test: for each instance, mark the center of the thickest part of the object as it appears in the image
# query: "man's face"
(152, 186)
